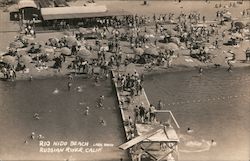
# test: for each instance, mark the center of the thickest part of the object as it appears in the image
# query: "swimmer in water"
(100, 101)
(189, 130)
(36, 116)
(79, 89)
(70, 77)
(32, 135)
(213, 143)
(31, 78)
(40, 137)
(56, 91)
(200, 71)
(87, 110)
(103, 122)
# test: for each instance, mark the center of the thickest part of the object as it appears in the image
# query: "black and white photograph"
(124, 80)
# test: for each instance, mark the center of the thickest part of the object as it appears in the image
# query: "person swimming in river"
(87, 110)
(100, 101)
(200, 71)
(103, 122)
(189, 130)
(69, 86)
(36, 116)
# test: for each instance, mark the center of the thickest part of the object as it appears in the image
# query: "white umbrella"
(138, 51)
(84, 53)
(9, 60)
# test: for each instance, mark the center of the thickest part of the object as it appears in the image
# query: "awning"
(27, 3)
(79, 12)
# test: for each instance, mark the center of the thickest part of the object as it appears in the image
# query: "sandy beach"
(213, 103)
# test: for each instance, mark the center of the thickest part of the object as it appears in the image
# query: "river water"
(62, 118)
(215, 106)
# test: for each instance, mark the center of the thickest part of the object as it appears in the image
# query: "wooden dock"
(145, 133)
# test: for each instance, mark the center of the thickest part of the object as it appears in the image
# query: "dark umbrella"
(240, 25)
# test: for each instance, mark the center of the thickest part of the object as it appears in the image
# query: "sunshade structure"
(138, 51)
(16, 44)
(53, 41)
(48, 50)
(151, 51)
(169, 46)
(240, 25)
(9, 60)
(84, 53)
(26, 59)
(64, 51)
(84, 30)
(150, 31)
(171, 32)
(71, 41)
(21, 52)
(67, 33)
(78, 12)
(27, 4)
(175, 40)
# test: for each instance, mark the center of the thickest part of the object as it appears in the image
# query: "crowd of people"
(187, 31)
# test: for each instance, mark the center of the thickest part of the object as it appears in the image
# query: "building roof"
(75, 12)
(27, 3)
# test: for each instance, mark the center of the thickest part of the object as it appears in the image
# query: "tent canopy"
(27, 3)
(75, 12)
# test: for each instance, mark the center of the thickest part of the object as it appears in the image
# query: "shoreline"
(158, 70)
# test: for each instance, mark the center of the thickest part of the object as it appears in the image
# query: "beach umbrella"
(84, 53)
(65, 51)
(122, 30)
(53, 41)
(175, 40)
(67, 33)
(151, 51)
(138, 51)
(21, 52)
(83, 30)
(9, 60)
(240, 25)
(171, 32)
(26, 59)
(170, 46)
(48, 50)
(206, 49)
(16, 44)
(71, 41)
(150, 31)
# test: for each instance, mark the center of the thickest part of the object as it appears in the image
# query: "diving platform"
(157, 140)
